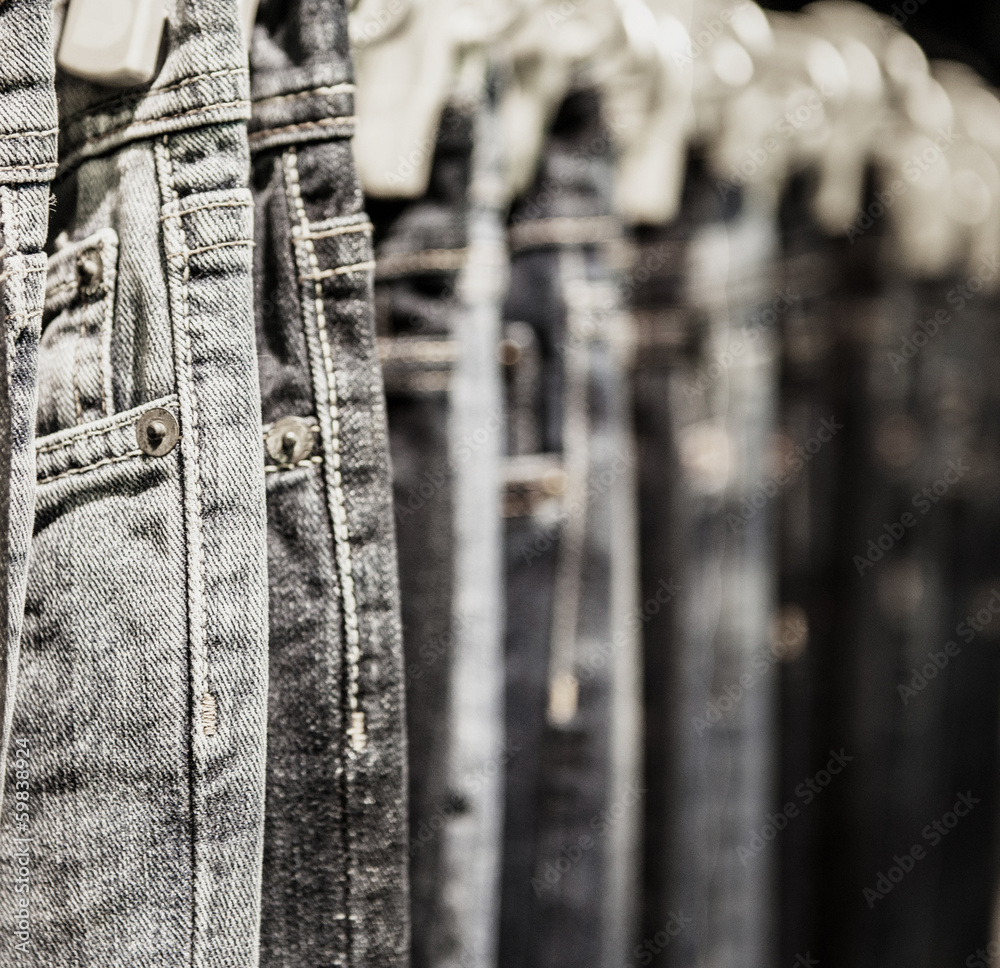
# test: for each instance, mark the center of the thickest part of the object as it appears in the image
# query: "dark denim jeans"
(335, 866)
(573, 791)
(701, 292)
(438, 303)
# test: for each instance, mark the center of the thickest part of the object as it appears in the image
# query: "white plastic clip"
(114, 42)
(248, 14)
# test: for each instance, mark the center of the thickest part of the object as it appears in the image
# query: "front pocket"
(74, 356)
(103, 703)
(77, 450)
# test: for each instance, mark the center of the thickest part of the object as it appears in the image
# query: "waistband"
(203, 80)
(302, 81)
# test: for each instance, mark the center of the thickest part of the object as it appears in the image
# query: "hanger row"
(836, 89)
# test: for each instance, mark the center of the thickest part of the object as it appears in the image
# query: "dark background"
(964, 30)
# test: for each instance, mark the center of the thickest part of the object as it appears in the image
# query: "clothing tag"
(114, 42)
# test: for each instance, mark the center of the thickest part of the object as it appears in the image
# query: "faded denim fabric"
(705, 420)
(27, 164)
(440, 263)
(141, 702)
(472, 846)
(335, 865)
(573, 795)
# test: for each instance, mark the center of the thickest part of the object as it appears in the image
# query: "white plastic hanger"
(117, 42)
(408, 57)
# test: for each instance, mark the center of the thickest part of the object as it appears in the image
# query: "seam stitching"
(107, 328)
(41, 167)
(342, 538)
(82, 470)
(139, 125)
(325, 91)
(192, 471)
(28, 135)
(62, 287)
(8, 213)
(201, 208)
(321, 123)
(358, 227)
(117, 425)
(218, 245)
(104, 106)
(318, 276)
(19, 271)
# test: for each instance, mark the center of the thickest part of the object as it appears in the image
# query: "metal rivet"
(157, 432)
(90, 271)
(290, 440)
(509, 352)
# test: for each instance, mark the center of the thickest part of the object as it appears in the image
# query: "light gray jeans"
(140, 710)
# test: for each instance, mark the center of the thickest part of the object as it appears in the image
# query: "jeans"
(705, 412)
(438, 313)
(335, 865)
(141, 702)
(573, 792)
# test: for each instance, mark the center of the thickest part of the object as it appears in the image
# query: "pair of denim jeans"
(701, 291)
(441, 265)
(573, 790)
(208, 709)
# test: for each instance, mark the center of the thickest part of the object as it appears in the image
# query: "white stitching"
(20, 271)
(62, 287)
(347, 120)
(116, 102)
(308, 462)
(82, 470)
(122, 421)
(218, 245)
(322, 91)
(201, 208)
(365, 227)
(9, 215)
(342, 538)
(139, 125)
(339, 271)
(174, 233)
(107, 330)
(41, 167)
(25, 135)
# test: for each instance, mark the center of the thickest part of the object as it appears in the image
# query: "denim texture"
(440, 267)
(141, 705)
(27, 164)
(573, 793)
(335, 865)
